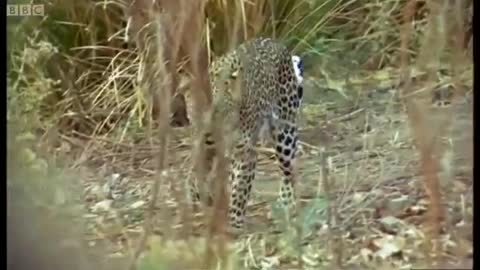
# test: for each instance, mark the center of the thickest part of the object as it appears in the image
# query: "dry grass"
(88, 109)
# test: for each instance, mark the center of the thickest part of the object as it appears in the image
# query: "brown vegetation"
(376, 154)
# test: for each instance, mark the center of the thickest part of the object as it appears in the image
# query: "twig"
(156, 70)
(309, 145)
(347, 116)
(426, 144)
(332, 218)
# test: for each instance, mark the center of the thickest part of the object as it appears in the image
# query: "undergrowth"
(97, 68)
(72, 76)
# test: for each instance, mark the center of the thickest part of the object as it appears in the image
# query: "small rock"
(137, 204)
(392, 223)
(102, 206)
(397, 204)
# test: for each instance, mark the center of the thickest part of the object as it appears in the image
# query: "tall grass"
(98, 68)
(74, 72)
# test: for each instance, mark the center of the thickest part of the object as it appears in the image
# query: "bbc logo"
(25, 10)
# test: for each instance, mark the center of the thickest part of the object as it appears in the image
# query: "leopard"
(257, 91)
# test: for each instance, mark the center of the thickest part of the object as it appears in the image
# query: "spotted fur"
(260, 83)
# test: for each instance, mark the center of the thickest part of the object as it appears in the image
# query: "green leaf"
(28, 155)
(26, 136)
(313, 212)
(280, 214)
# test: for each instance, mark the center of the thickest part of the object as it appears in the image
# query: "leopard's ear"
(236, 86)
(298, 68)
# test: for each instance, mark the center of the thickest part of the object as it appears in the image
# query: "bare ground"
(377, 187)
